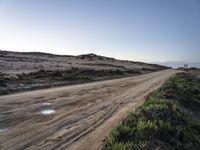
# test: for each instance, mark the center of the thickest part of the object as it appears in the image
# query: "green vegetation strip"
(44, 78)
(168, 120)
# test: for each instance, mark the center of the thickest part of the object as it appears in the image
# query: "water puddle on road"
(3, 130)
(46, 104)
(48, 111)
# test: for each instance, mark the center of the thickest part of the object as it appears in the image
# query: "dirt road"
(72, 117)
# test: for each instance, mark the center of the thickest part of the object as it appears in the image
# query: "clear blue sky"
(143, 30)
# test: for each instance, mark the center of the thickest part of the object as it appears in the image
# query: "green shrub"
(167, 120)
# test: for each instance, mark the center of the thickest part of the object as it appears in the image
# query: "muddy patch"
(46, 109)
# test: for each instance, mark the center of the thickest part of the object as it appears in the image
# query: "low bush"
(169, 119)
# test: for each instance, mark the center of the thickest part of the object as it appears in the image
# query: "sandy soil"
(16, 63)
(72, 117)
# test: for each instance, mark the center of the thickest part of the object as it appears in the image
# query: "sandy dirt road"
(72, 117)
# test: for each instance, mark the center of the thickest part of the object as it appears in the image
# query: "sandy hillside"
(17, 63)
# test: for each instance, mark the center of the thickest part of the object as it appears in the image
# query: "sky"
(138, 30)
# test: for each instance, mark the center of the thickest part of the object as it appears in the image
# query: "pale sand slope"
(84, 114)
(17, 63)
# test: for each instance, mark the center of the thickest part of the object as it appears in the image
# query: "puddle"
(46, 104)
(3, 130)
(48, 111)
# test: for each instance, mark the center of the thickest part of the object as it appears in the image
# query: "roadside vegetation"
(45, 78)
(168, 120)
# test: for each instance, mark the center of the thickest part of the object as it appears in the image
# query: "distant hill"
(26, 62)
